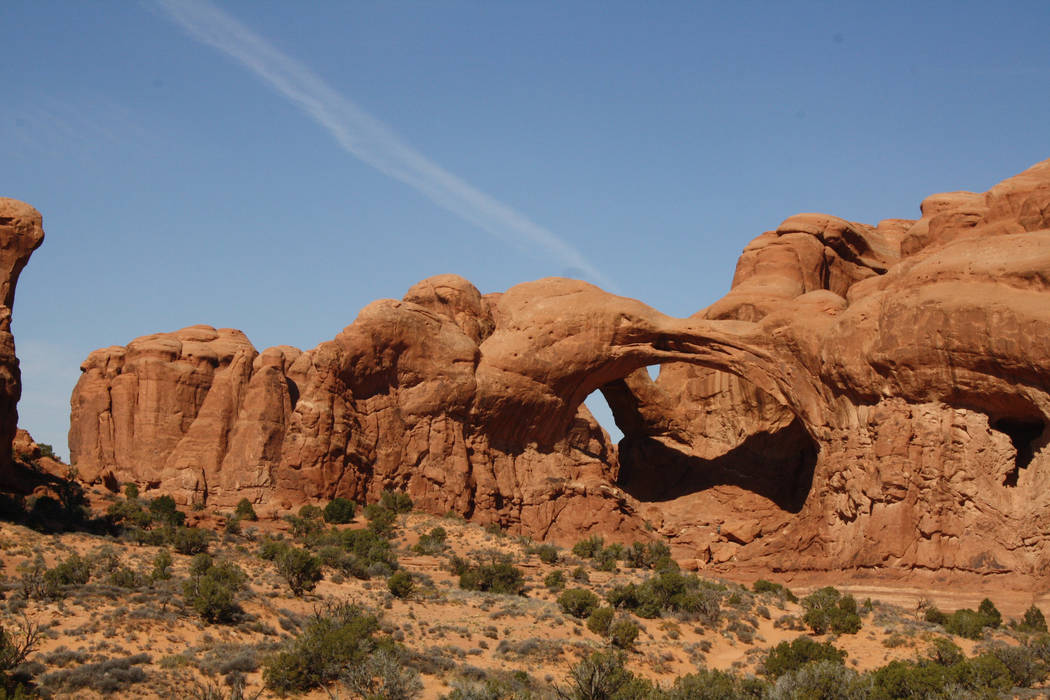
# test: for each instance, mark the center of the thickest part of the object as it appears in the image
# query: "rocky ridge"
(865, 398)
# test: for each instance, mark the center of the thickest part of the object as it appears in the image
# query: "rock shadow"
(778, 466)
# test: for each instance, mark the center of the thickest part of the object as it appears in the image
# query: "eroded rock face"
(865, 397)
(20, 234)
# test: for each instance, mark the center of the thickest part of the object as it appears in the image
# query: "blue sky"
(275, 166)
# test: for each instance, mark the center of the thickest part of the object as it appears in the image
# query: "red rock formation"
(872, 398)
(20, 234)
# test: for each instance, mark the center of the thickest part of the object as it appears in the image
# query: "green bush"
(131, 491)
(212, 588)
(547, 553)
(396, 502)
(600, 676)
(161, 566)
(339, 511)
(497, 575)
(935, 616)
(966, 623)
(300, 569)
(993, 618)
(983, 676)
(401, 584)
(341, 638)
(163, 510)
(578, 602)
(1024, 666)
(669, 591)
(821, 680)
(587, 548)
(555, 580)
(719, 685)
(599, 620)
(1033, 621)
(190, 540)
(74, 571)
(622, 634)
(245, 511)
(786, 657)
(381, 520)
(827, 610)
(368, 553)
(777, 589)
(432, 542)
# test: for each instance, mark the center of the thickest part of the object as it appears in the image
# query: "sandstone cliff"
(873, 398)
(20, 235)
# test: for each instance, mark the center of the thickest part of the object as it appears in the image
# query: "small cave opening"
(1023, 434)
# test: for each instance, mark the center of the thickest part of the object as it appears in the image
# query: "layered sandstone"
(20, 234)
(873, 398)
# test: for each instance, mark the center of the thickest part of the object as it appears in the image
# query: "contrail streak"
(364, 136)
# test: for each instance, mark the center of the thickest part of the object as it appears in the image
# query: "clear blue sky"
(274, 166)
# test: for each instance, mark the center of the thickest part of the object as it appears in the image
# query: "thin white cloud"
(363, 135)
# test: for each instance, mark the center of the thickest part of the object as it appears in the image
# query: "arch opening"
(708, 429)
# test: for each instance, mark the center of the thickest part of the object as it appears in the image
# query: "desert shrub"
(123, 577)
(401, 584)
(381, 520)
(15, 647)
(396, 501)
(555, 580)
(189, 540)
(382, 675)
(1025, 667)
(163, 510)
(432, 542)
(935, 616)
(212, 588)
(547, 553)
(826, 680)
(599, 620)
(339, 638)
(131, 491)
(945, 652)
(580, 575)
(654, 555)
(1032, 621)
(715, 685)
(245, 511)
(669, 591)
(339, 511)
(982, 676)
(587, 548)
(105, 677)
(791, 656)
(777, 589)
(300, 570)
(622, 633)
(495, 575)
(600, 676)
(578, 602)
(966, 623)
(369, 553)
(307, 524)
(270, 548)
(73, 571)
(129, 513)
(993, 618)
(827, 610)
